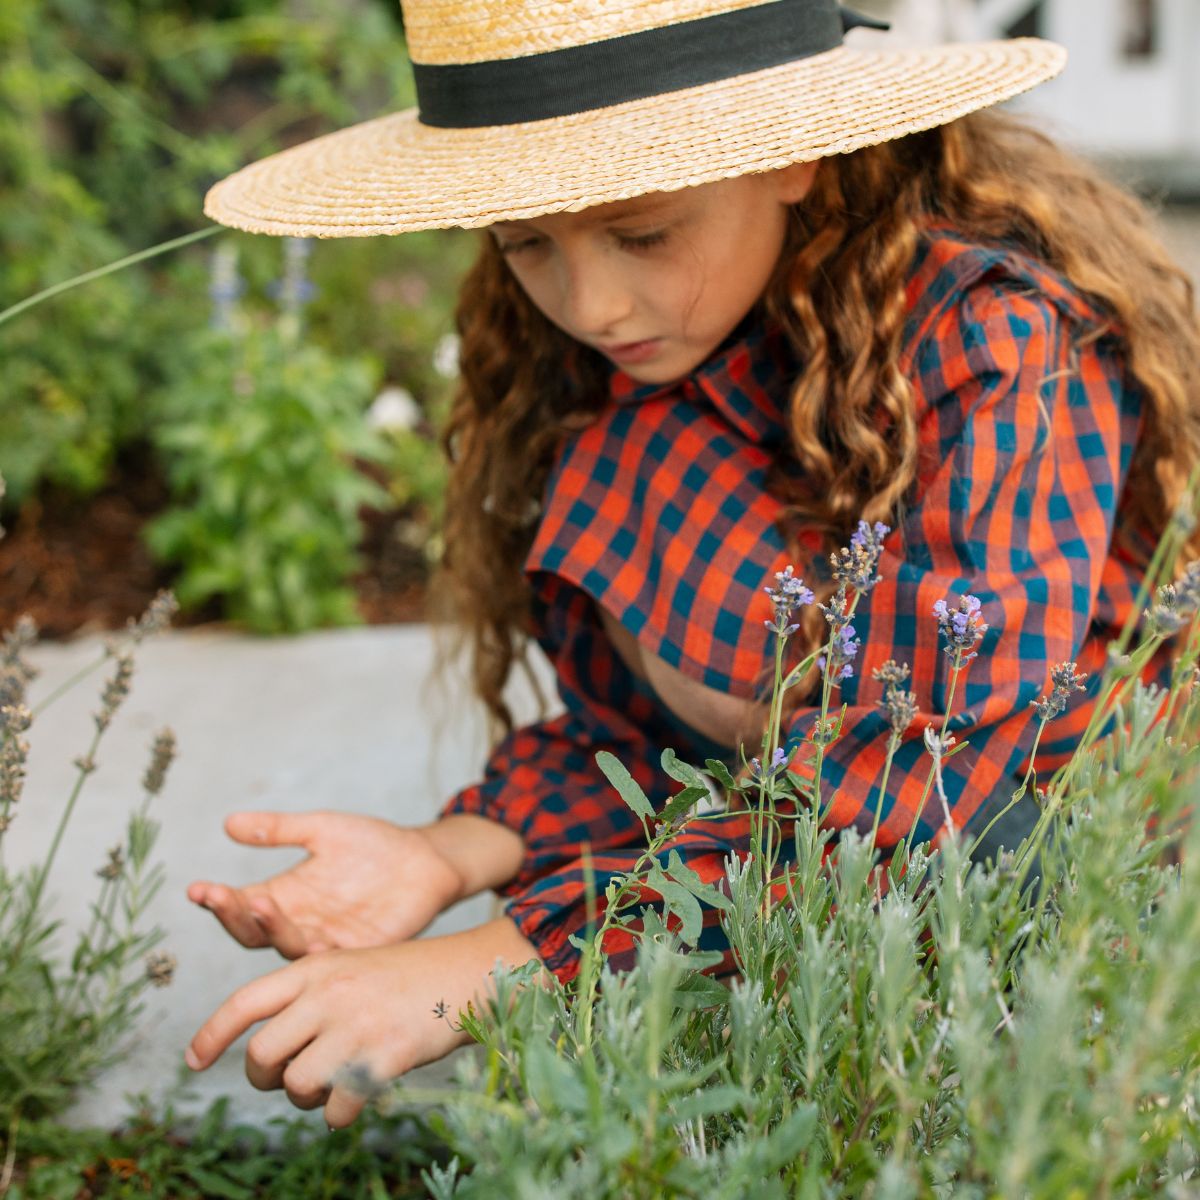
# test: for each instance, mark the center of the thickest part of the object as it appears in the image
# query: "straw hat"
(528, 107)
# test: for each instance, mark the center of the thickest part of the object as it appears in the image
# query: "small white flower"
(445, 356)
(394, 409)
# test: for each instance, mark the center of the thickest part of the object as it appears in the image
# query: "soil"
(78, 565)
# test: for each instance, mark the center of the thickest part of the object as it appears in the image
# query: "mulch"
(79, 566)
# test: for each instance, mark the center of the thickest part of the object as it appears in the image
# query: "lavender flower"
(162, 754)
(778, 762)
(115, 865)
(1177, 603)
(160, 968)
(1065, 681)
(855, 566)
(899, 704)
(844, 646)
(961, 627)
(825, 730)
(115, 690)
(787, 597)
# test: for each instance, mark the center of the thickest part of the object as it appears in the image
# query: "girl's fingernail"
(189, 1057)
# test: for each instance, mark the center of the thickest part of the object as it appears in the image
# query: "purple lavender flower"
(787, 597)
(778, 761)
(844, 647)
(855, 566)
(961, 627)
(1065, 681)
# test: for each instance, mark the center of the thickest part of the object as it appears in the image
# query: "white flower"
(393, 409)
(445, 356)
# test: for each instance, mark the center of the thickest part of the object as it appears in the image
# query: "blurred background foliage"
(239, 372)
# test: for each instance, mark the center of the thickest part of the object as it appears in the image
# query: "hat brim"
(394, 175)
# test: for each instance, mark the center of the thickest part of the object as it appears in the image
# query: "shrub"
(921, 1027)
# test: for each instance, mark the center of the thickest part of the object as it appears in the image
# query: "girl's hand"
(365, 882)
(347, 1022)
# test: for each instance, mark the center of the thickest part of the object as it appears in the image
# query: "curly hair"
(838, 292)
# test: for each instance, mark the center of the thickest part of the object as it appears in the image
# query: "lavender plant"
(924, 1027)
(62, 1020)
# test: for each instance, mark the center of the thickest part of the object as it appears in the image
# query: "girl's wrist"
(485, 853)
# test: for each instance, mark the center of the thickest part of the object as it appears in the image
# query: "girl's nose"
(595, 298)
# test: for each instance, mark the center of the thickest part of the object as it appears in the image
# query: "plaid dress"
(658, 513)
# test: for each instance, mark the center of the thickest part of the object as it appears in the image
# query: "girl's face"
(656, 283)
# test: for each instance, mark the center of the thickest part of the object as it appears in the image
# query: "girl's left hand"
(358, 1017)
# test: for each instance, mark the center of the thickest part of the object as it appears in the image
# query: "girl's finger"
(231, 907)
(270, 828)
(283, 933)
(255, 1002)
(274, 1047)
(309, 1078)
(342, 1107)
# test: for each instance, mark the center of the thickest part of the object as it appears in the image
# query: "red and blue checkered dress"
(658, 512)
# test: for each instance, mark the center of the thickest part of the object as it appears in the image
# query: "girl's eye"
(643, 240)
(626, 241)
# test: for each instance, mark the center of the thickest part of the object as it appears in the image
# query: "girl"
(741, 284)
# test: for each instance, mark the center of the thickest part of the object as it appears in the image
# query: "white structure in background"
(1132, 87)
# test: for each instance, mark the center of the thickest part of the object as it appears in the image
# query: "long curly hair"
(838, 292)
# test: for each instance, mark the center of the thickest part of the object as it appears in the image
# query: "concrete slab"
(342, 719)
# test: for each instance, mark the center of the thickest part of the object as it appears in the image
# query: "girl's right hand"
(366, 882)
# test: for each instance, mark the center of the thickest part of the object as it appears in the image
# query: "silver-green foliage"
(61, 1021)
(928, 1027)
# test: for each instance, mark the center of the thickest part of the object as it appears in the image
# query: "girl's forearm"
(486, 853)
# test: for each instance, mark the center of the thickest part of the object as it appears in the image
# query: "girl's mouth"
(634, 351)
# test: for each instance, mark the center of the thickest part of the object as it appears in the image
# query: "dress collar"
(747, 379)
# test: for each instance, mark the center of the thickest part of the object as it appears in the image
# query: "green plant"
(922, 1027)
(96, 99)
(158, 1156)
(259, 457)
(62, 1024)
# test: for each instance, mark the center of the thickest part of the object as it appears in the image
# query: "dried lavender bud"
(1065, 680)
(891, 673)
(961, 627)
(115, 865)
(115, 691)
(86, 763)
(14, 751)
(21, 637)
(15, 719)
(160, 968)
(161, 756)
(901, 708)
(156, 618)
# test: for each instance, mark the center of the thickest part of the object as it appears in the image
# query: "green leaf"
(706, 893)
(720, 772)
(681, 771)
(627, 787)
(680, 803)
(701, 991)
(678, 900)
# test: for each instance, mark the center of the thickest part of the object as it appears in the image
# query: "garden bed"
(79, 565)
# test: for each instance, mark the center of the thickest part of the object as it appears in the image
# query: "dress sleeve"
(1026, 436)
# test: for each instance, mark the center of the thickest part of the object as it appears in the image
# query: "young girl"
(740, 285)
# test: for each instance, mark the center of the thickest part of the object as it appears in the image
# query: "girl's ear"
(794, 183)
